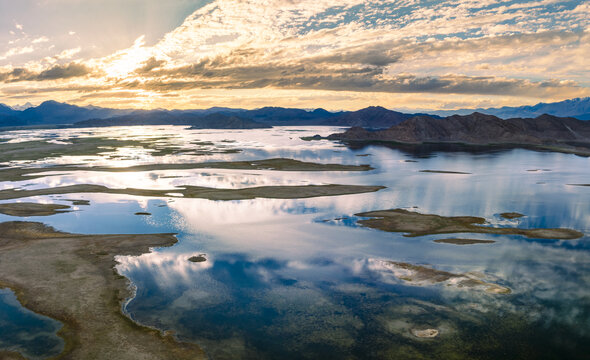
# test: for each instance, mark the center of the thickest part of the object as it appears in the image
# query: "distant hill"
(163, 117)
(371, 117)
(55, 113)
(7, 111)
(480, 129)
(23, 106)
(578, 108)
(222, 121)
(278, 116)
(52, 113)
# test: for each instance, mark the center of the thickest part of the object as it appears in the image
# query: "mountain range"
(578, 108)
(55, 113)
(214, 120)
(52, 113)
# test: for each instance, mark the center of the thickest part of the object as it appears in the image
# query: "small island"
(26, 209)
(417, 224)
(197, 258)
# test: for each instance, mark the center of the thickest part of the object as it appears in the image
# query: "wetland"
(160, 242)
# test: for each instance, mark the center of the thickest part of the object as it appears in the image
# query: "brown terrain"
(417, 224)
(480, 129)
(71, 278)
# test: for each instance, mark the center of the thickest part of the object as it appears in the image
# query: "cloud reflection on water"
(275, 272)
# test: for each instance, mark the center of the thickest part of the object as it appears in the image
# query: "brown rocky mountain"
(478, 129)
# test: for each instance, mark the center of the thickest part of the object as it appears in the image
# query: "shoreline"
(72, 278)
(455, 146)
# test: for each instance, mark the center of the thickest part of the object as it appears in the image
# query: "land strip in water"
(277, 164)
(417, 224)
(91, 146)
(25, 209)
(198, 192)
(456, 241)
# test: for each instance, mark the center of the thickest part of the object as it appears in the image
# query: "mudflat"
(277, 164)
(198, 192)
(445, 172)
(26, 209)
(417, 224)
(71, 278)
(89, 146)
(455, 241)
(11, 355)
(420, 275)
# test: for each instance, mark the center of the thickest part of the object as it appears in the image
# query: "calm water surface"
(283, 279)
(23, 331)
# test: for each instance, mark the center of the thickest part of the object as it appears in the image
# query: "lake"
(300, 279)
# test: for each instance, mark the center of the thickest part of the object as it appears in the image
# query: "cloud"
(386, 66)
(366, 79)
(149, 65)
(63, 72)
(17, 51)
(56, 72)
(281, 48)
(39, 40)
(68, 53)
(535, 49)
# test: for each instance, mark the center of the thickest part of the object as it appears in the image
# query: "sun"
(124, 62)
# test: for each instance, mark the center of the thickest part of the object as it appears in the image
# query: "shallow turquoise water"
(283, 279)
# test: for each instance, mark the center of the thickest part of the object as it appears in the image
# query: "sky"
(334, 54)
